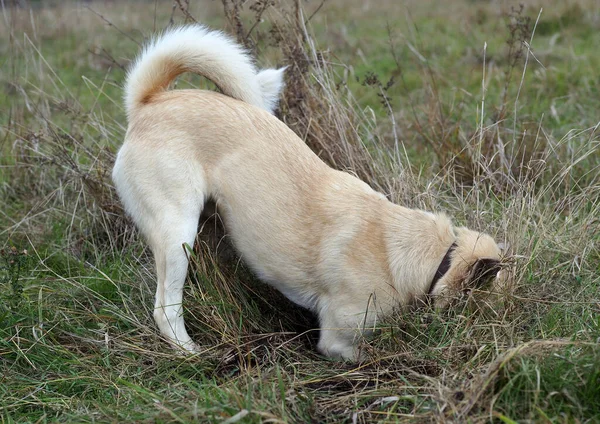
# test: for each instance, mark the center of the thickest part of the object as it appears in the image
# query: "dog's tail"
(211, 54)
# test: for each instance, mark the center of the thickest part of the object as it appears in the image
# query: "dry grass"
(78, 342)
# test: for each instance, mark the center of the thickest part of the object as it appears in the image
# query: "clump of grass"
(498, 149)
(12, 264)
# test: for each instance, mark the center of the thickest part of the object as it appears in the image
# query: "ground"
(487, 111)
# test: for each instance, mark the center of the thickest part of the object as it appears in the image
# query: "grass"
(390, 91)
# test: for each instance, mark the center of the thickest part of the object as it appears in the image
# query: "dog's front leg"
(340, 333)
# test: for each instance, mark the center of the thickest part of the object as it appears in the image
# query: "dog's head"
(474, 263)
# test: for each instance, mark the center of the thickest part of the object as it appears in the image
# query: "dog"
(322, 237)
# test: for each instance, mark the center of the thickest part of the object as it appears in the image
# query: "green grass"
(77, 339)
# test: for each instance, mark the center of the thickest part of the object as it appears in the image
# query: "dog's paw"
(187, 348)
(340, 350)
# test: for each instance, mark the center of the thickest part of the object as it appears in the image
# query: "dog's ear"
(483, 271)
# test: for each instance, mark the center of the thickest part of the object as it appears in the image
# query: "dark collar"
(442, 269)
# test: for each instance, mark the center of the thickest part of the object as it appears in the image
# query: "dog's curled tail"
(211, 54)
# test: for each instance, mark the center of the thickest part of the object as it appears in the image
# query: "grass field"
(488, 111)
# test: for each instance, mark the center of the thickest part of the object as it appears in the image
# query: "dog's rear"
(160, 187)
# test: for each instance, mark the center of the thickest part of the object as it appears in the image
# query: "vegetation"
(481, 109)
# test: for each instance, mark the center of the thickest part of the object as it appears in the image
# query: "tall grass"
(78, 342)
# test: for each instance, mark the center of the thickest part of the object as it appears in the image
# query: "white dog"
(322, 237)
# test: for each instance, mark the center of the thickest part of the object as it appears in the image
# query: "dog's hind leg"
(169, 247)
(164, 195)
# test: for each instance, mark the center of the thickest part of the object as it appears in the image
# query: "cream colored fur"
(322, 237)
